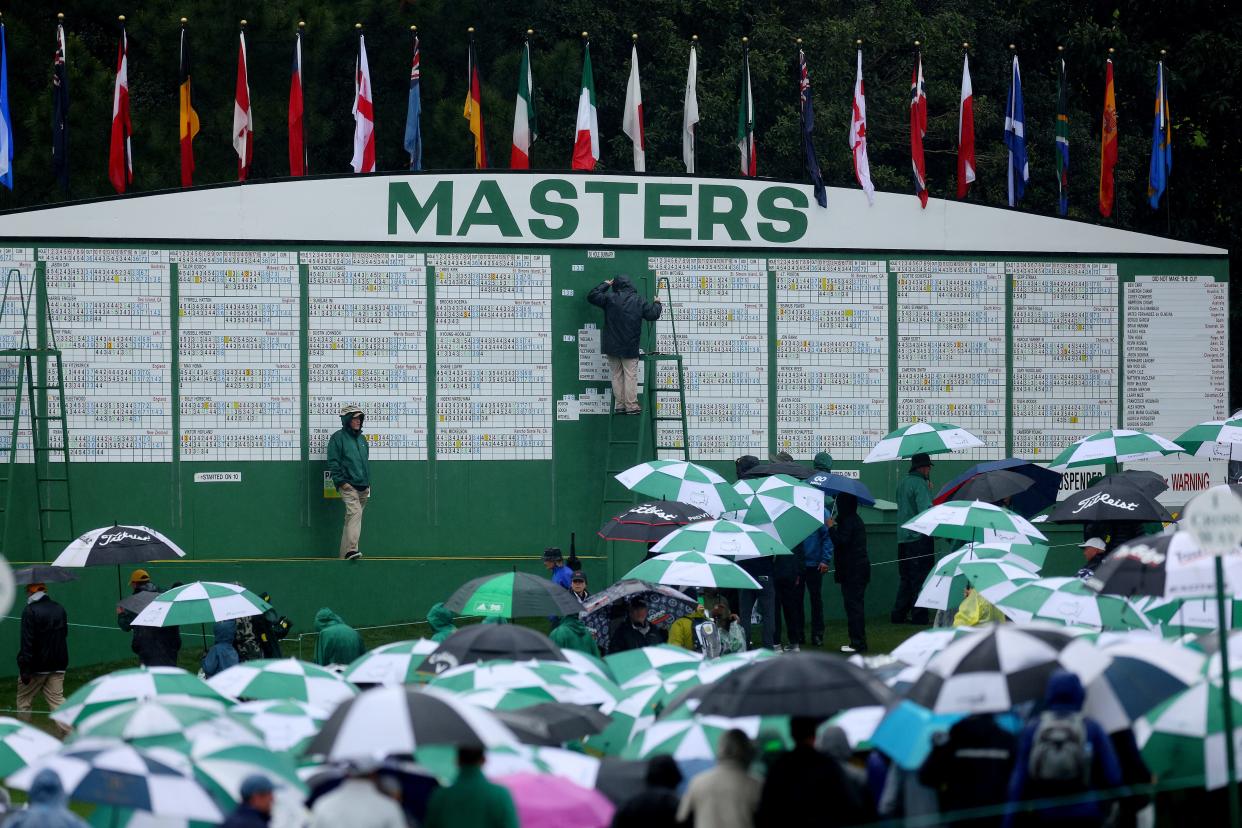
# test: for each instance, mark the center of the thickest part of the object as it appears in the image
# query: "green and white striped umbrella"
(394, 663)
(1070, 602)
(1214, 438)
(714, 669)
(557, 680)
(859, 724)
(922, 438)
(996, 580)
(133, 685)
(974, 520)
(665, 688)
(944, 584)
(638, 708)
(1193, 616)
(664, 659)
(284, 678)
(201, 602)
(22, 744)
(143, 720)
(693, 569)
(683, 481)
(697, 737)
(496, 698)
(1119, 445)
(286, 725)
(505, 760)
(1183, 738)
(221, 768)
(786, 509)
(726, 538)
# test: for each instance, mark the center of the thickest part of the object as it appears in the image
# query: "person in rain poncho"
(976, 611)
(47, 806)
(732, 639)
(222, 654)
(440, 618)
(624, 312)
(915, 552)
(572, 634)
(338, 642)
(471, 801)
(350, 467)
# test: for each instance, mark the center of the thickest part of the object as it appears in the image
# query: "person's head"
(832, 741)
(139, 578)
(47, 790)
(721, 612)
(578, 583)
(552, 558)
(621, 282)
(735, 746)
(802, 730)
(822, 462)
(1092, 547)
(638, 612)
(1064, 692)
(31, 589)
(469, 757)
(744, 464)
(258, 792)
(847, 504)
(921, 464)
(662, 772)
(352, 418)
(782, 457)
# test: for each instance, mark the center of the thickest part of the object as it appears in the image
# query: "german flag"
(473, 111)
(187, 117)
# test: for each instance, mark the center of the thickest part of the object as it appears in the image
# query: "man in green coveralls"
(471, 801)
(915, 553)
(351, 474)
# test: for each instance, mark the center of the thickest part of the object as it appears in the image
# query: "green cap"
(822, 461)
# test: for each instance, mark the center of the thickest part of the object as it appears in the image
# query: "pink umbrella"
(554, 802)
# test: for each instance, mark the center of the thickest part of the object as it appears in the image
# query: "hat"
(919, 461)
(1093, 543)
(822, 461)
(139, 576)
(578, 576)
(552, 553)
(256, 783)
(638, 601)
(350, 409)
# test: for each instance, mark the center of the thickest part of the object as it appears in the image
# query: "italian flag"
(524, 129)
(586, 142)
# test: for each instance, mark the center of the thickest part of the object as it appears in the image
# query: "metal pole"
(1227, 704)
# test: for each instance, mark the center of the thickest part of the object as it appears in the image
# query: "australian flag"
(808, 129)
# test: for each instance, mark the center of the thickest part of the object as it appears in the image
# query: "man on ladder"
(624, 312)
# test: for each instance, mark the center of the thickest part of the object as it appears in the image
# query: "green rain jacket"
(338, 643)
(572, 634)
(440, 618)
(348, 456)
(471, 802)
(913, 498)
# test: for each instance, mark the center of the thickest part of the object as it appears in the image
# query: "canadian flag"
(966, 133)
(632, 120)
(364, 113)
(120, 160)
(858, 136)
(243, 119)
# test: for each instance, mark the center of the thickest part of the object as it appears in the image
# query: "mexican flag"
(524, 128)
(586, 142)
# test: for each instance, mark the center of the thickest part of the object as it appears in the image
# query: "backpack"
(707, 638)
(1060, 750)
(246, 642)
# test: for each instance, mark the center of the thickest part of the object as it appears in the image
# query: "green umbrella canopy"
(512, 595)
(201, 602)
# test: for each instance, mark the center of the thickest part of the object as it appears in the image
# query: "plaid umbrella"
(1120, 445)
(946, 580)
(664, 659)
(512, 595)
(1214, 438)
(21, 744)
(664, 606)
(1071, 602)
(922, 438)
(726, 538)
(650, 522)
(786, 509)
(395, 663)
(108, 772)
(679, 480)
(693, 569)
(284, 678)
(132, 685)
(286, 725)
(972, 521)
(1183, 738)
(200, 602)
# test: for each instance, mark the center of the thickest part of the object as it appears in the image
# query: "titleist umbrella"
(1116, 500)
(116, 545)
(650, 522)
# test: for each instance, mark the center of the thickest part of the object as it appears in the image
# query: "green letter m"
(401, 196)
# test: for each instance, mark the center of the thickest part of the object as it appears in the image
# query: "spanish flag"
(187, 117)
(473, 111)
(1108, 143)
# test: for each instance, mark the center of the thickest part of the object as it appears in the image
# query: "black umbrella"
(488, 642)
(1138, 566)
(1113, 501)
(650, 522)
(816, 685)
(42, 574)
(664, 606)
(137, 602)
(1149, 483)
(993, 486)
(621, 779)
(116, 545)
(1029, 503)
(513, 595)
(553, 723)
(794, 470)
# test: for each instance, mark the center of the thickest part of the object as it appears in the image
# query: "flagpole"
(60, 38)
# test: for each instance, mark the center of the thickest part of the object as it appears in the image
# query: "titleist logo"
(116, 537)
(654, 511)
(1146, 555)
(1104, 498)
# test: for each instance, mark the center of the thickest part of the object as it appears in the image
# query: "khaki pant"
(355, 501)
(624, 382)
(52, 685)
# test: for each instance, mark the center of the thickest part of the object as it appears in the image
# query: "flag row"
(586, 146)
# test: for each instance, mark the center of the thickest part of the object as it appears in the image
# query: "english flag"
(1108, 143)
(120, 160)
(297, 127)
(632, 120)
(364, 113)
(858, 136)
(918, 129)
(243, 118)
(525, 127)
(965, 133)
(586, 140)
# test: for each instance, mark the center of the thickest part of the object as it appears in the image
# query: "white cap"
(1092, 543)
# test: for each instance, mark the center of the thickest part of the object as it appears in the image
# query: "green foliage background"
(1204, 39)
